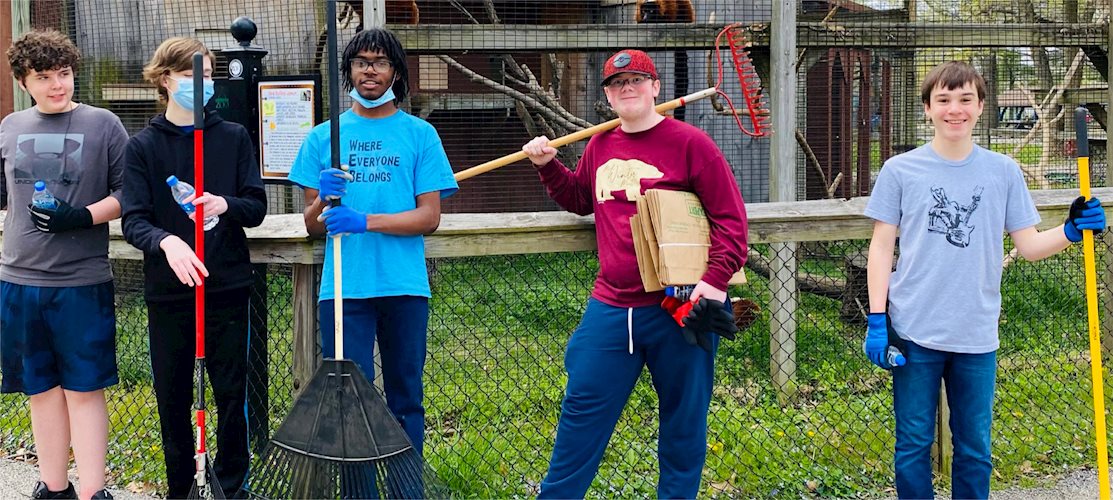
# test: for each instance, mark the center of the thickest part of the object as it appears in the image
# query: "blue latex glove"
(334, 183)
(341, 220)
(877, 339)
(1084, 215)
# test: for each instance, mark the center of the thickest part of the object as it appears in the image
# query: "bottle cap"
(40, 186)
(172, 180)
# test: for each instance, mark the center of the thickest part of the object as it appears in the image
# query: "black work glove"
(59, 219)
(707, 317)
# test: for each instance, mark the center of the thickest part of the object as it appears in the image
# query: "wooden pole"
(782, 178)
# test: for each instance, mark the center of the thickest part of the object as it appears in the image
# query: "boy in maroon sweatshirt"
(624, 326)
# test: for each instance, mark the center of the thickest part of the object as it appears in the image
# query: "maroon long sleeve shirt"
(616, 167)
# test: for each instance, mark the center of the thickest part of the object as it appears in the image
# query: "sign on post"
(288, 110)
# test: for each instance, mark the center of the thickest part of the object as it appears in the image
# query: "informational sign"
(286, 115)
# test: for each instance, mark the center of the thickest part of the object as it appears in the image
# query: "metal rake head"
(738, 45)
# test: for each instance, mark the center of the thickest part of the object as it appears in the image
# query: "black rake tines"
(404, 476)
(341, 441)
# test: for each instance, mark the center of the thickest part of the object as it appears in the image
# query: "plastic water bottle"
(894, 356)
(182, 191)
(682, 293)
(42, 198)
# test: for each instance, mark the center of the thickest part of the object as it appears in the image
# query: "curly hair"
(42, 50)
(173, 54)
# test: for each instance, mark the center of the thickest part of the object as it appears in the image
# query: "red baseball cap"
(629, 61)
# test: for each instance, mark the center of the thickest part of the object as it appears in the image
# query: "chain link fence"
(797, 409)
(494, 380)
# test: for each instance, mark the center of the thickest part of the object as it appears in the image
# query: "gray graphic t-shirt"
(946, 291)
(79, 155)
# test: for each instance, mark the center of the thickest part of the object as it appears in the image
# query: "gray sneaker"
(41, 491)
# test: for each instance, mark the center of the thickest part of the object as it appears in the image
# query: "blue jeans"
(400, 323)
(601, 374)
(970, 380)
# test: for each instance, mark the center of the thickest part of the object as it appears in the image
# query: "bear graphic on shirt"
(623, 175)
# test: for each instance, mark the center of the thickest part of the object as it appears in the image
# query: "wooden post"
(21, 23)
(943, 449)
(374, 13)
(782, 178)
(374, 16)
(1107, 276)
(306, 355)
(7, 85)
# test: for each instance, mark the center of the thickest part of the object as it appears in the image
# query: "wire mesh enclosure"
(797, 409)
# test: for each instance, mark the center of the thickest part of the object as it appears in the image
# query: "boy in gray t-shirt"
(950, 200)
(57, 320)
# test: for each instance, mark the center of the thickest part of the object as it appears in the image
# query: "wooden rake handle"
(579, 136)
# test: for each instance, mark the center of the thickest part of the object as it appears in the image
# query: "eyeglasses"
(634, 81)
(380, 65)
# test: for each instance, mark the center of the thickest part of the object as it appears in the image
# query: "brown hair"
(41, 50)
(952, 75)
(173, 54)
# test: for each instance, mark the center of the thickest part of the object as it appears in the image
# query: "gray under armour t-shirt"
(946, 291)
(79, 154)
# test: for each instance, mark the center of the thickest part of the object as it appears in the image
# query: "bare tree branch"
(813, 161)
(529, 101)
(464, 10)
(549, 99)
(1052, 103)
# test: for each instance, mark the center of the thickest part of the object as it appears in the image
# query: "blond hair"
(174, 54)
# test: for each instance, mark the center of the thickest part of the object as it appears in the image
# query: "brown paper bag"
(646, 266)
(683, 236)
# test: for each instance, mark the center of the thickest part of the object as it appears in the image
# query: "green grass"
(1028, 155)
(495, 378)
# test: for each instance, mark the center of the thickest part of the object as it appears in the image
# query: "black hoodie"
(150, 212)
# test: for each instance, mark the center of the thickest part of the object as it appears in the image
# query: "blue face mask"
(184, 95)
(387, 96)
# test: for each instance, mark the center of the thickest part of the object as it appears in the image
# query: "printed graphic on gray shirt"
(44, 157)
(952, 219)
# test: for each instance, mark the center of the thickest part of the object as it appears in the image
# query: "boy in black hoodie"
(157, 225)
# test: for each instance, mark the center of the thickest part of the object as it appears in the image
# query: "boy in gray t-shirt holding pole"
(950, 200)
(57, 319)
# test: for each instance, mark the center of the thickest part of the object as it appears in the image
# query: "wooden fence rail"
(282, 239)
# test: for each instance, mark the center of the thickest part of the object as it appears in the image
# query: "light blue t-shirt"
(946, 291)
(393, 160)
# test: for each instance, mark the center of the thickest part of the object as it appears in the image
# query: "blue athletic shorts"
(57, 336)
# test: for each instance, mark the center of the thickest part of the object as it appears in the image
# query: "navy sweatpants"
(602, 372)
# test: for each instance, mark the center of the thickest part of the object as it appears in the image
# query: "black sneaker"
(102, 495)
(41, 491)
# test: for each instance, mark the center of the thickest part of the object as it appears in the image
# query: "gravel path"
(18, 478)
(1078, 484)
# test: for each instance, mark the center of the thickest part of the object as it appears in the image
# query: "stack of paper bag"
(671, 239)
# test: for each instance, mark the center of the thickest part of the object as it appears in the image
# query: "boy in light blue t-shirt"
(950, 200)
(397, 173)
